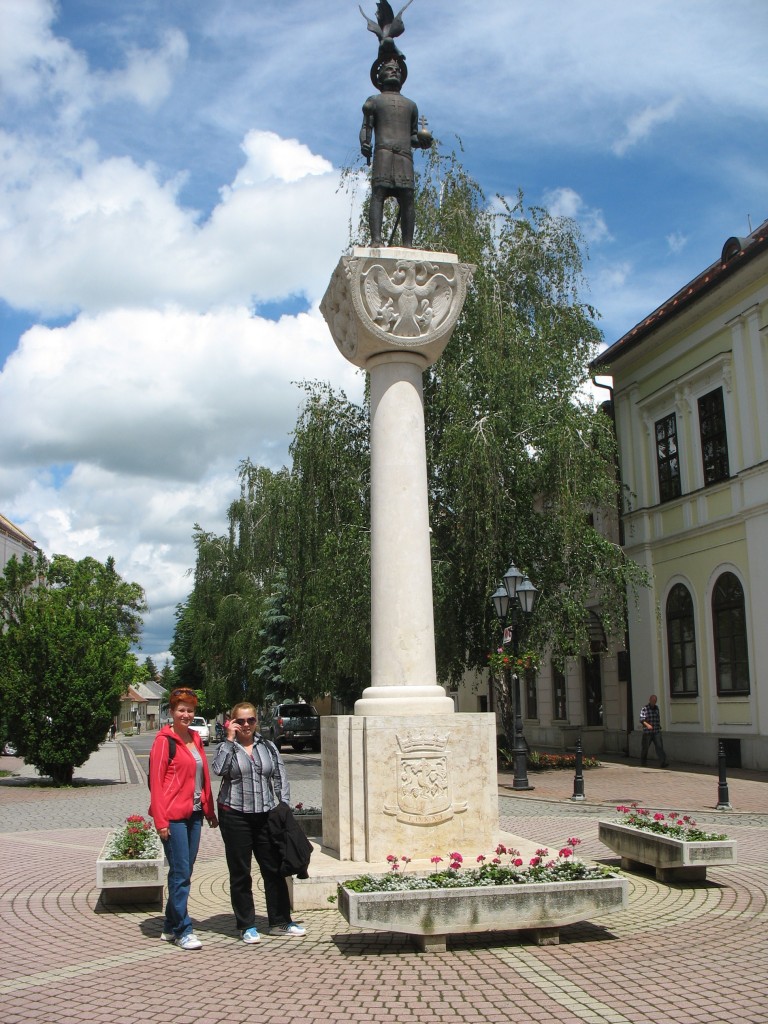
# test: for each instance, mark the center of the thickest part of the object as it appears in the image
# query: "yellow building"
(691, 410)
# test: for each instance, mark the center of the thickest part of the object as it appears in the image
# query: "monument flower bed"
(672, 844)
(136, 840)
(130, 867)
(495, 893)
(309, 819)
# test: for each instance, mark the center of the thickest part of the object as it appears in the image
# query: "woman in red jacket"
(180, 795)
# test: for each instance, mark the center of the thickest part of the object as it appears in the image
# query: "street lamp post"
(516, 597)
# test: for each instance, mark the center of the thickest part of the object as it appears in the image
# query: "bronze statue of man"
(393, 121)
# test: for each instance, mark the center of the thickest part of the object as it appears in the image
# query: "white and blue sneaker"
(250, 936)
(189, 941)
(291, 930)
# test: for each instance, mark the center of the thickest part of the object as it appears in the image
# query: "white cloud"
(148, 74)
(676, 241)
(161, 394)
(565, 202)
(641, 125)
(89, 233)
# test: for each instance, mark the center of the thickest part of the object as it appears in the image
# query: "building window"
(681, 643)
(559, 702)
(729, 625)
(714, 441)
(531, 696)
(668, 458)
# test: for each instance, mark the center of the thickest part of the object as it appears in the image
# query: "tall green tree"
(67, 630)
(520, 463)
(219, 632)
(327, 558)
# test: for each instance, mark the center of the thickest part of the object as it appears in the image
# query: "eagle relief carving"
(410, 302)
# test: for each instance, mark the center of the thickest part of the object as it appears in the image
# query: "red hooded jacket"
(172, 782)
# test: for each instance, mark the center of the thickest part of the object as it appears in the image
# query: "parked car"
(297, 724)
(200, 725)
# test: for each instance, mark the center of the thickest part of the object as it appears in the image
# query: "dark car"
(296, 724)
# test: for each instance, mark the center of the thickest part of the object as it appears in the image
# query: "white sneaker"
(189, 941)
(291, 930)
(167, 937)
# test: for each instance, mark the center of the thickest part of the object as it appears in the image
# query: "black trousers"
(247, 835)
(654, 738)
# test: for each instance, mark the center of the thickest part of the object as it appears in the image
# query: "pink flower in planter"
(518, 862)
(481, 858)
(566, 852)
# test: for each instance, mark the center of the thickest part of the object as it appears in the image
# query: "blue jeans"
(181, 848)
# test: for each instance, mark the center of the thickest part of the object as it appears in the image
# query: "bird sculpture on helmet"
(387, 27)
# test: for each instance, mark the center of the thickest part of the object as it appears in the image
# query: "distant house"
(133, 710)
(14, 541)
(156, 698)
(690, 388)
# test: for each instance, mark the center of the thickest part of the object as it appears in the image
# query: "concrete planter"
(310, 824)
(130, 881)
(431, 915)
(672, 859)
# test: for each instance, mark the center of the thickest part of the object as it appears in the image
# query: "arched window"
(681, 643)
(729, 625)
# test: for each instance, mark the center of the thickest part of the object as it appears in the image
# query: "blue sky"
(170, 217)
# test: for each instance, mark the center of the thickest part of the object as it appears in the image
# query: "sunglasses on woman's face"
(246, 721)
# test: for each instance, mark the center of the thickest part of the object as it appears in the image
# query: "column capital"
(394, 299)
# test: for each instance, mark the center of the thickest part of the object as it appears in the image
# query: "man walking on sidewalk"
(650, 723)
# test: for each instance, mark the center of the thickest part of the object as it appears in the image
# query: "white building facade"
(691, 412)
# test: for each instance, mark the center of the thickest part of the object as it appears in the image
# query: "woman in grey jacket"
(253, 782)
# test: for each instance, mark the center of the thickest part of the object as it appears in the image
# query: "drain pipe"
(630, 722)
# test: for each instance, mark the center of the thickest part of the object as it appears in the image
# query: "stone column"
(392, 312)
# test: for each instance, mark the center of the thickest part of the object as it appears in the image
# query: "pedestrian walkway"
(625, 781)
(681, 954)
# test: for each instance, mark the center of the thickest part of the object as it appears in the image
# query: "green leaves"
(65, 656)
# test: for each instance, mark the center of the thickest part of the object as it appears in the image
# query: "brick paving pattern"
(684, 954)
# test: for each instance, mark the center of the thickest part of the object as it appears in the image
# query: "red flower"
(658, 816)
(566, 852)
(481, 858)
(518, 862)
(501, 849)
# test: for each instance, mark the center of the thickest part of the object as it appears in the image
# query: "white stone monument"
(404, 774)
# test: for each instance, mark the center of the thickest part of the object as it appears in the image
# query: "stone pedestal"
(420, 786)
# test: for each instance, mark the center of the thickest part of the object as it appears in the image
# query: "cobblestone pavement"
(684, 954)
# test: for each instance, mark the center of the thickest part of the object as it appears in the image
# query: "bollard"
(723, 800)
(578, 778)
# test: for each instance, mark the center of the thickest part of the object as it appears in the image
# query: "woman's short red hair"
(182, 695)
